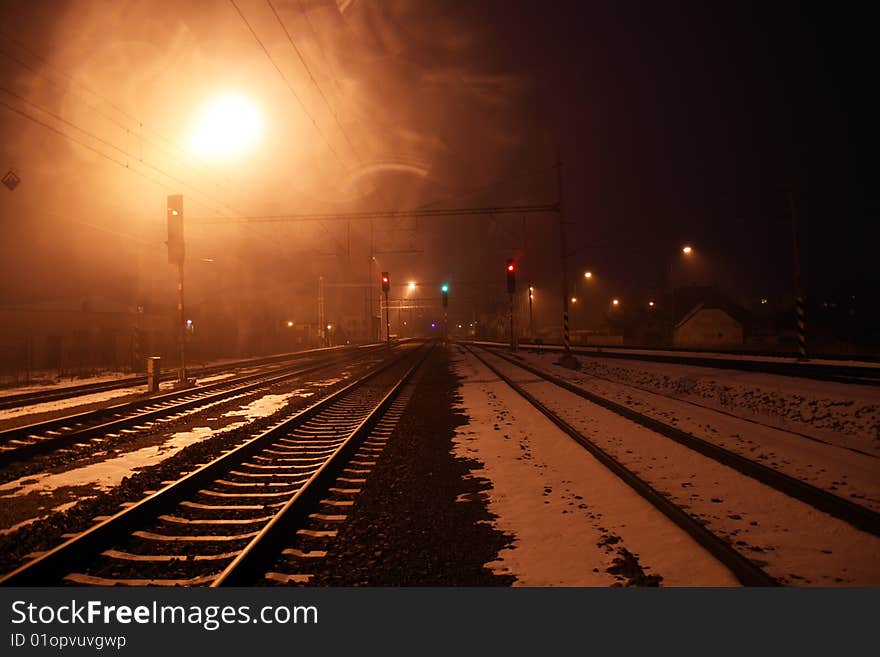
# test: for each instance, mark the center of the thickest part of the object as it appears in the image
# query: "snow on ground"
(840, 470)
(51, 492)
(677, 353)
(72, 402)
(844, 414)
(798, 544)
(569, 515)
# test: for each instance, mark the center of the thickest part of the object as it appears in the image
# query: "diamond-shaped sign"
(11, 180)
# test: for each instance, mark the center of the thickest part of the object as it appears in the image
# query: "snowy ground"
(570, 516)
(842, 462)
(843, 414)
(35, 497)
(796, 544)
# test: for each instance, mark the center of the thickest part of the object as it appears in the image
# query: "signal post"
(511, 289)
(444, 293)
(176, 253)
(386, 285)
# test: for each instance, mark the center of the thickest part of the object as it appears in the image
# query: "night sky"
(675, 122)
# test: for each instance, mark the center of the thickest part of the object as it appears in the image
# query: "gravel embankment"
(420, 519)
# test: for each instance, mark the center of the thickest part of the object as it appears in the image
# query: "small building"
(708, 328)
(73, 338)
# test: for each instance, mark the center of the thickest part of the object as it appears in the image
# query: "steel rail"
(53, 565)
(744, 569)
(192, 397)
(846, 374)
(67, 392)
(841, 508)
(249, 565)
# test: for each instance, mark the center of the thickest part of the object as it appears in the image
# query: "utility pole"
(386, 286)
(176, 256)
(531, 324)
(567, 359)
(322, 326)
(510, 313)
(181, 377)
(798, 291)
(387, 321)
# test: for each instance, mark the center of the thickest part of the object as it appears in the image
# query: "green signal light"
(444, 288)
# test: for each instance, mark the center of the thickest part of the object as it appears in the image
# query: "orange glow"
(687, 250)
(588, 274)
(228, 125)
(615, 302)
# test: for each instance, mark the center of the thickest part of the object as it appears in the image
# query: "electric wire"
(286, 82)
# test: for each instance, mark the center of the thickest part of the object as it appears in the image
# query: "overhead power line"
(312, 78)
(139, 125)
(286, 82)
(126, 165)
(382, 214)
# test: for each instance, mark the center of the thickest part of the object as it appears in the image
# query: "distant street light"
(615, 302)
(289, 324)
(687, 249)
(411, 286)
(650, 304)
(588, 274)
(574, 300)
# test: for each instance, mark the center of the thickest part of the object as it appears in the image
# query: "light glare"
(229, 125)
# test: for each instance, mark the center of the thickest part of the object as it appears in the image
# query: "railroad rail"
(743, 568)
(39, 438)
(65, 392)
(807, 369)
(855, 514)
(223, 522)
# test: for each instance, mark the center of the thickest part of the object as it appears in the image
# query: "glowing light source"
(412, 285)
(615, 302)
(289, 324)
(228, 125)
(651, 304)
(687, 249)
(574, 300)
(588, 274)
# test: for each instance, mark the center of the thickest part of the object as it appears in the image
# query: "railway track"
(855, 515)
(820, 371)
(225, 522)
(28, 441)
(66, 392)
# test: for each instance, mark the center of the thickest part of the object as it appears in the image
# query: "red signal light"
(510, 267)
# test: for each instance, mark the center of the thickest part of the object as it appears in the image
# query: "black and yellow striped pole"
(568, 359)
(799, 310)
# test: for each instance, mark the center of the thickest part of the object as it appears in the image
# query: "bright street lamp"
(227, 126)
(588, 274)
(615, 302)
(687, 249)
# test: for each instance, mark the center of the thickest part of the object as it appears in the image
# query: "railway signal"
(511, 289)
(175, 229)
(176, 252)
(444, 292)
(386, 285)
